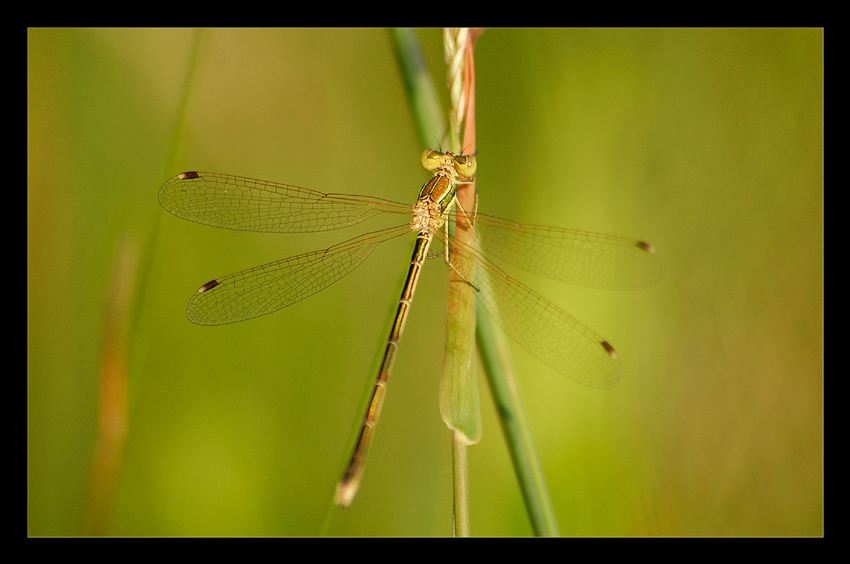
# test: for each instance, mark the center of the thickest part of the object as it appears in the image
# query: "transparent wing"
(578, 257)
(266, 289)
(547, 332)
(247, 204)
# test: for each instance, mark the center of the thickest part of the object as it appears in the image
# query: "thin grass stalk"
(112, 419)
(122, 349)
(459, 404)
(491, 346)
(425, 108)
(498, 366)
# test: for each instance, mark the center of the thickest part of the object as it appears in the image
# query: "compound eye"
(431, 159)
(465, 165)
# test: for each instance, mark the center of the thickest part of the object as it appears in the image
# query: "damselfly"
(542, 328)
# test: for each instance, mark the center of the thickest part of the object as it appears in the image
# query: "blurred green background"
(707, 143)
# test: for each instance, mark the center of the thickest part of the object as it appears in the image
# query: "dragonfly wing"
(547, 332)
(578, 257)
(247, 204)
(266, 289)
